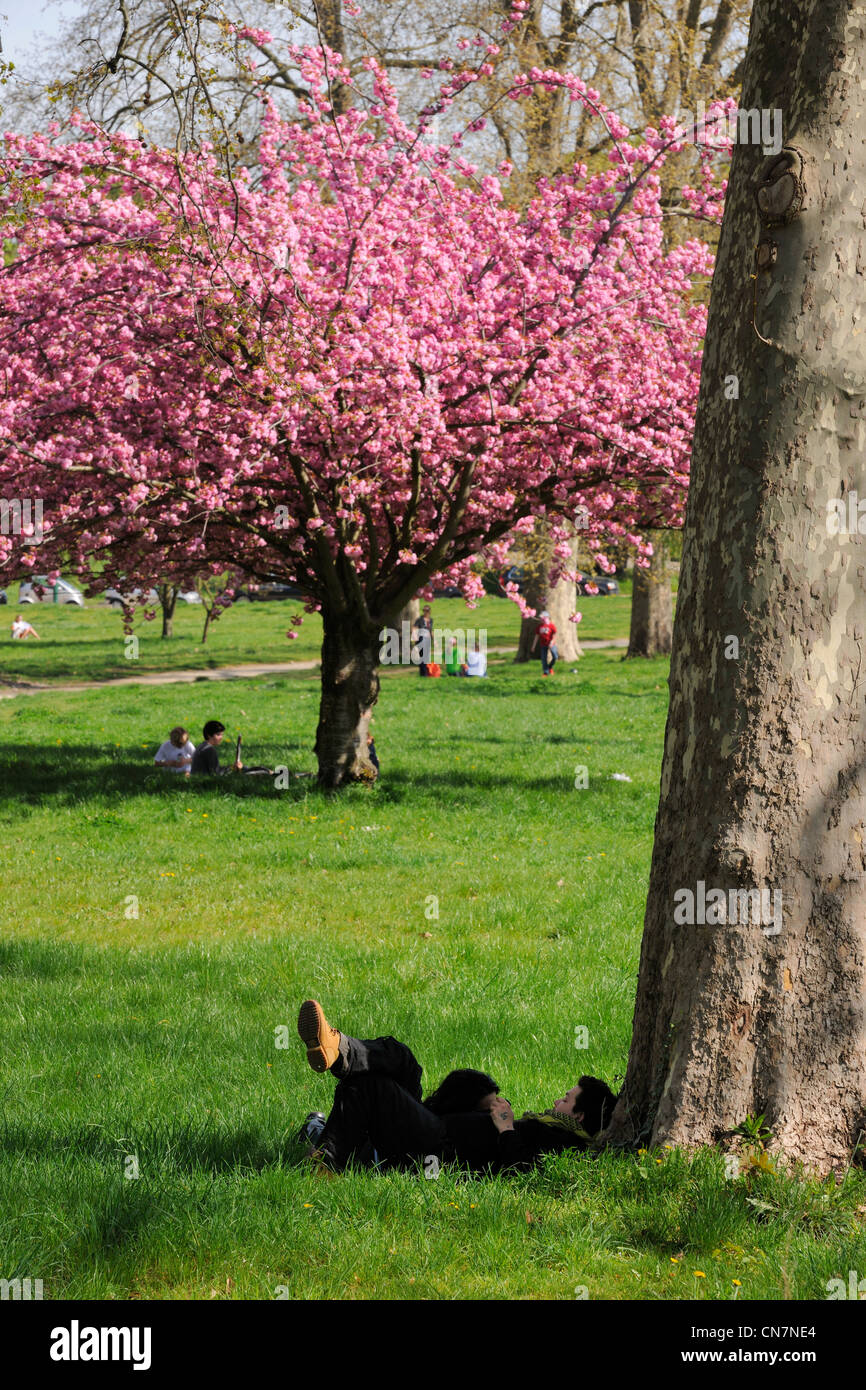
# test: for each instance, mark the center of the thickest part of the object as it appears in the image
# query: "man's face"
(568, 1104)
(216, 738)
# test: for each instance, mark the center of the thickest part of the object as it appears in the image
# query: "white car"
(58, 591)
(114, 598)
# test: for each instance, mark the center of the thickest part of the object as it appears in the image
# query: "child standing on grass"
(544, 634)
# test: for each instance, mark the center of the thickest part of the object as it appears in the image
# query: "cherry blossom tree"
(355, 369)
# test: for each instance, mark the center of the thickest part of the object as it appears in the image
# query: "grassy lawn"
(87, 643)
(155, 937)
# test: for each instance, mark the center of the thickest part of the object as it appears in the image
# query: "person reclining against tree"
(378, 1114)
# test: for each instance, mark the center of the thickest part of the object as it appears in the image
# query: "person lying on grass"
(378, 1115)
(206, 759)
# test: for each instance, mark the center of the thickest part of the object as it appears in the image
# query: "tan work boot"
(320, 1039)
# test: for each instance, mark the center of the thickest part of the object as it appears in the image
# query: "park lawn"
(87, 644)
(475, 903)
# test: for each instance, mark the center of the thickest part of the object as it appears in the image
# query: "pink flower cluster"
(361, 371)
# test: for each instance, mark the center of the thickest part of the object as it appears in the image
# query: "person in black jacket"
(206, 759)
(378, 1114)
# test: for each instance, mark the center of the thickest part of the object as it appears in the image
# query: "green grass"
(86, 644)
(154, 1035)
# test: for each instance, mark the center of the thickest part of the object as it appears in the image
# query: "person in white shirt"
(476, 663)
(21, 629)
(176, 753)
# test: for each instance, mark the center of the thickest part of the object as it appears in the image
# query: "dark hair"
(213, 726)
(596, 1100)
(460, 1091)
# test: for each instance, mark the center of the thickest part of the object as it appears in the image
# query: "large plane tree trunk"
(764, 772)
(652, 612)
(560, 600)
(350, 688)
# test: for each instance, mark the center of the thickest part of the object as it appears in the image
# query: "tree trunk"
(329, 14)
(560, 601)
(764, 772)
(652, 604)
(167, 602)
(410, 614)
(350, 689)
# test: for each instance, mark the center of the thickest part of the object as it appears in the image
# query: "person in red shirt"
(544, 634)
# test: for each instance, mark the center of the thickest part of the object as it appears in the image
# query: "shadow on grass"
(178, 1145)
(77, 774)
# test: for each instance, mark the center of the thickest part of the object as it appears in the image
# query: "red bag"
(433, 668)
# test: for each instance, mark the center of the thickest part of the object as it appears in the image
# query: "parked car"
(115, 599)
(512, 574)
(603, 583)
(42, 590)
(447, 591)
(268, 590)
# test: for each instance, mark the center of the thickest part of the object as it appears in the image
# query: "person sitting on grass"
(205, 759)
(21, 629)
(378, 1114)
(177, 751)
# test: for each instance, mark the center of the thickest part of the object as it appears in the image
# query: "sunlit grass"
(156, 937)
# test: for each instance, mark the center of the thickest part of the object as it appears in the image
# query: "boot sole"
(311, 1025)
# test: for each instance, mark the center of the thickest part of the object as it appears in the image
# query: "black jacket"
(473, 1139)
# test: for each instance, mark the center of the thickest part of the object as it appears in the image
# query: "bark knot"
(779, 187)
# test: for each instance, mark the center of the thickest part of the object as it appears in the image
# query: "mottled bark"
(652, 611)
(560, 601)
(764, 771)
(350, 688)
(409, 613)
(168, 602)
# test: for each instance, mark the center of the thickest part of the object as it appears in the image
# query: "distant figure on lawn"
(476, 663)
(22, 629)
(378, 1115)
(205, 759)
(177, 751)
(423, 633)
(544, 634)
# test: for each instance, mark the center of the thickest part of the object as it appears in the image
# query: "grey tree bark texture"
(764, 771)
(652, 607)
(560, 600)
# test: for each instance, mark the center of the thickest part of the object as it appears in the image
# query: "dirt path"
(222, 673)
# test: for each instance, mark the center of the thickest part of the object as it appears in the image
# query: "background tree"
(167, 594)
(652, 609)
(764, 772)
(178, 72)
(354, 381)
